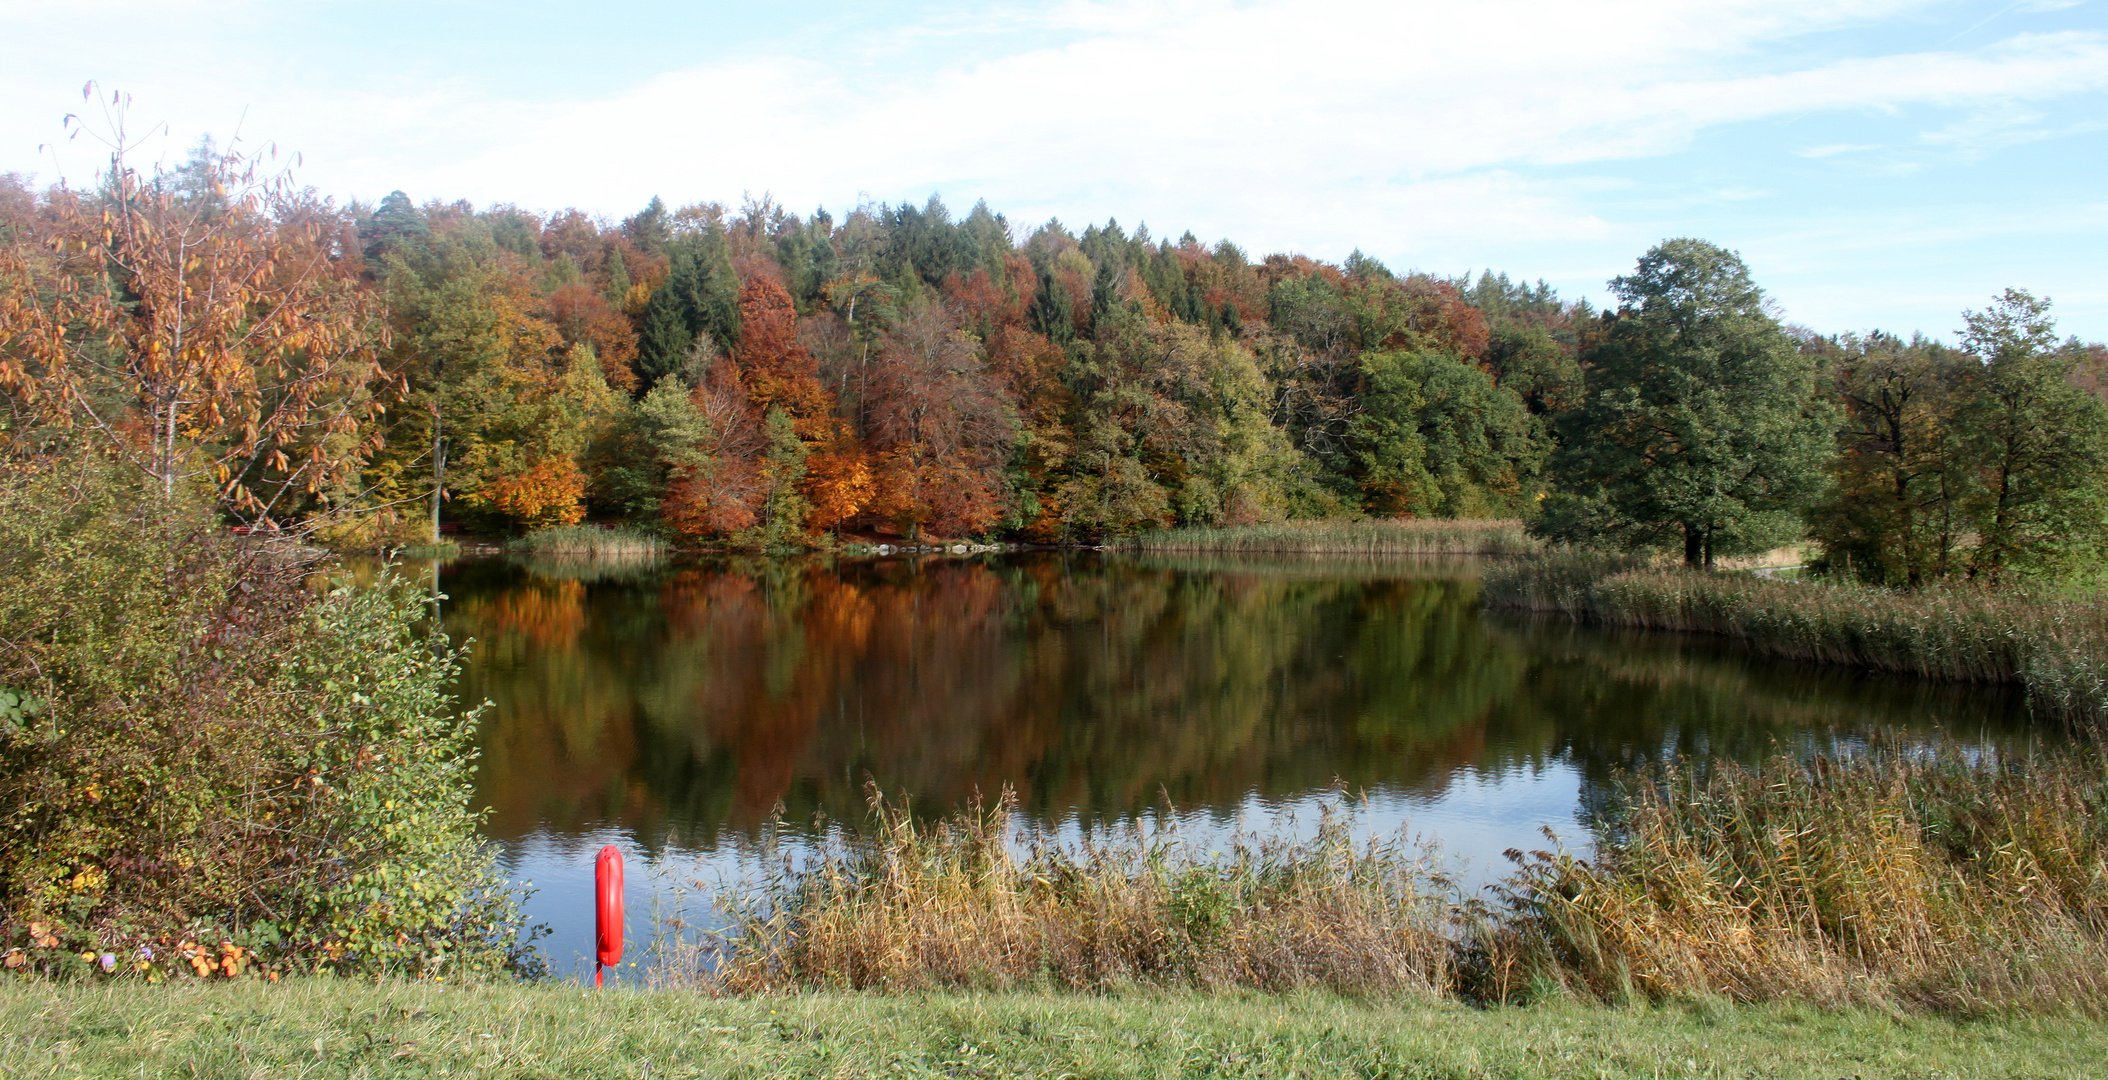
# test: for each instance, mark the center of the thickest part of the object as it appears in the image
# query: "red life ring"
(607, 890)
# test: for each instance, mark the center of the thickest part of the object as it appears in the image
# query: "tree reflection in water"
(673, 702)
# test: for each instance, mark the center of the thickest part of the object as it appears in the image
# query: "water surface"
(678, 708)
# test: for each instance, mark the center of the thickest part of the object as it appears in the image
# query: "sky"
(1880, 164)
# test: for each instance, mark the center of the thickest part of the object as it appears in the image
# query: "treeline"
(752, 378)
(759, 377)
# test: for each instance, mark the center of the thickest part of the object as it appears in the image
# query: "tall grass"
(1935, 883)
(1900, 879)
(2057, 648)
(1371, 536)
(619, 541)
(965, 904)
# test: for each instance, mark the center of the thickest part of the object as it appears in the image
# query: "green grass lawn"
(340, 1028)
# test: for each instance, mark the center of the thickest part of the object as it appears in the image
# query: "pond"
(678, 708)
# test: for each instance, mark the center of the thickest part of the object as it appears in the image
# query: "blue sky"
(1879, 163)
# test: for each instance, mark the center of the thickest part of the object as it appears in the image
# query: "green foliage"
(1990, 463)
(1437, 437)
(783, 466)
(645, 447)
(224, 754)
(1897, 509)
(1702, 426)
(2039, 445)
(341, 1028)
(700, 296)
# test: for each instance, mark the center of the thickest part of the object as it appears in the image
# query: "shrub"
(223, 759)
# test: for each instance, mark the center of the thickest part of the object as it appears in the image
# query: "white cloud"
(1416, 130)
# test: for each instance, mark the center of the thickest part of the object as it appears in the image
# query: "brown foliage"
(550, 492)
(838, 483)
(777, 371)
(938, 428)
(725, 495)
(571, 232)
(582, 314)
(213, 333)
(987, 303)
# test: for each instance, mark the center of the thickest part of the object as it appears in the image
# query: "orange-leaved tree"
(204, 323)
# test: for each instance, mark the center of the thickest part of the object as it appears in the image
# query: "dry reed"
(589, 540)
(1371, 536)
(969, 903)
(2056, 648)
(1924, 882)
(1906, 880)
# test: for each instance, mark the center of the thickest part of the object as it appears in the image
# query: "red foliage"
(938, 428)
(988, 303)
(726, 495)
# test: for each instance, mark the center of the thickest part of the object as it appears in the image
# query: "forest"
(750, 378)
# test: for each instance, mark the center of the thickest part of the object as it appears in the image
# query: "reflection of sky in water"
(1471, 821)
(668, 708)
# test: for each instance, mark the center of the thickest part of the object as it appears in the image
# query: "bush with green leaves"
(209, 751)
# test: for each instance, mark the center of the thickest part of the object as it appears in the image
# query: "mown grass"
(1370, 536)
(340, 1028)
(2054, 646)
(588, 540)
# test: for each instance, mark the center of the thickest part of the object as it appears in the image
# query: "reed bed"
(1906, 880)
(2057, 648)
(589, 540)
(968, 903)
(1370, 536)
(1923, 882)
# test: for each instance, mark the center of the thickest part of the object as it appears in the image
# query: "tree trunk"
(438, 474)
(1693, 545)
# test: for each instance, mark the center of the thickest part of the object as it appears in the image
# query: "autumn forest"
(751, 378)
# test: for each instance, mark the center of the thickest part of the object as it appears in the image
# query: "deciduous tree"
(1702, 427)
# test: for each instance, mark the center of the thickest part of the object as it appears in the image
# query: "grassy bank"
(2055, 647)
(589, 540)
(1372, 536)
(341, 1028)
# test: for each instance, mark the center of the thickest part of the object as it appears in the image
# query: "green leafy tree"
(645, 447)
(2039, 444)
(1437, 437)
(1701, 425)
(783, 509)
(1897, 511)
